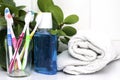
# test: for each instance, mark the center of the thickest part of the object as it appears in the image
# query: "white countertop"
(110, 72)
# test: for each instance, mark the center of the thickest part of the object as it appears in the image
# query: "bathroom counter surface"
(110, 72)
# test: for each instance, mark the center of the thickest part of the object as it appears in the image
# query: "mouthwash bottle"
(45, 47)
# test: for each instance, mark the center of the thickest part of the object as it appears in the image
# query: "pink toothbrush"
(19, 42)
(9, 20)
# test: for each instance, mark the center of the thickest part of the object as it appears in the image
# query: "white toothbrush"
(9, 20)
(19, 42)
(38, 20)
(9, 38)
(31, 14)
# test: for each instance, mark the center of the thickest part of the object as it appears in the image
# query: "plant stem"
(60, 26)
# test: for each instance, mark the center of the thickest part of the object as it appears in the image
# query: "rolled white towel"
(88, 52)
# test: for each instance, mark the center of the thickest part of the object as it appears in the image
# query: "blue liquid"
(45, 52)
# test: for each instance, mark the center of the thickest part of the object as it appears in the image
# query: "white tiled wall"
(101, 15)
(79, 7)
(24, 2)
(105, 16)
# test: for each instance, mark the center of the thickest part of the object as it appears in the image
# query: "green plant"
(59, 21)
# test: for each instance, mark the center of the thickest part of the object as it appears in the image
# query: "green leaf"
(32, 25)
(21, 7)
(55, 24)
(2, 22)
(67, 38)
(0, 1)
(57, 32)
(69, 31)
(12, 8)
(9, 2)
(22, 14)
(44, 4)
(18, 29)
(2, 48)
(53, 32)
(60, 33)
(57, 14)
(64, 40)
(71, 19)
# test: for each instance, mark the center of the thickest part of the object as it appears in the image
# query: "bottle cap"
(46, 22)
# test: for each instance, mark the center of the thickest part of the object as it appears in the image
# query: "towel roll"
(88, 52)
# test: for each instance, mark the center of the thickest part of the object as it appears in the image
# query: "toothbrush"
(38, 20)
(9, 20)
(27, 43)
(26, 49)
(19, 42)
(9, 41)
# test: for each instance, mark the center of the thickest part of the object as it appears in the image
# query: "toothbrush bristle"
(29, 16)
(7, 10)
(32, 12)
(7, 13)
(32, 16)
(9, 16)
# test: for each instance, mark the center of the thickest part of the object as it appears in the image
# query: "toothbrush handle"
(11, 65)
(23, 49)
(18, 47)
(26, 52)
(14, 40)
(16, 50)
(9, 45)
(20, 40)
(13, 60)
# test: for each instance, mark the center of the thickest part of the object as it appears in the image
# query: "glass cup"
(19, 63)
